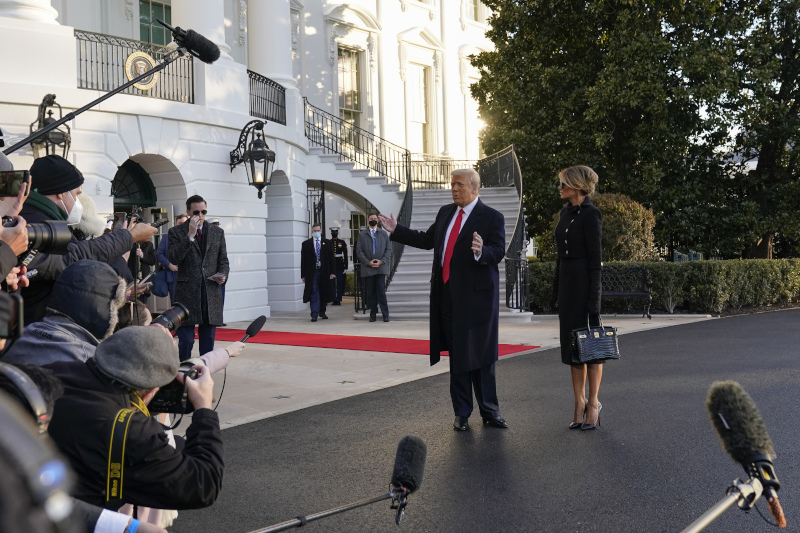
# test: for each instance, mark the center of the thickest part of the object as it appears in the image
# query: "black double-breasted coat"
(474, 285)
(577, 284)
(308, 265)
(196, 263)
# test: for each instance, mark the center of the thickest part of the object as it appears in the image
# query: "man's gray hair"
(472, 174)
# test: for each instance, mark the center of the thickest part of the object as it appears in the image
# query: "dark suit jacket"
(383, 251)
(474, 285)
(308, 266)
(194, 268)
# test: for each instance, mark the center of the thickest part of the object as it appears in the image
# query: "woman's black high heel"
(579, 425)
(587, 427)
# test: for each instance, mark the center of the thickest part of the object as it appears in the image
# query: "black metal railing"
(267, 98)
(351, 143)
(101, 67)
(502, 170)
(431, 172)
(404, 218)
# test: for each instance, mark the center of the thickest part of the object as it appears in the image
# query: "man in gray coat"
(374, 251)
(198, 248)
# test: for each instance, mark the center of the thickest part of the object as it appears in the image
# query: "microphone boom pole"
(303, 520)
(744, 493)
(70, 116)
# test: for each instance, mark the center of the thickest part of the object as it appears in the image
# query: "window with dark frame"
(151, 31)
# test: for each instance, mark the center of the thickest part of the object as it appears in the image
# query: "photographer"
(57, 184)
(127, 370)
(13, 240)
(90, 517)
(83, 309)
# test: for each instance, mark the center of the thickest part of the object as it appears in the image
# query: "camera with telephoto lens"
(48, 236)
(173, 398)
(173, 317)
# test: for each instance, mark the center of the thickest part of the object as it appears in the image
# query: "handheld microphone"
(744, 437)
(195, 44)
(254, 327)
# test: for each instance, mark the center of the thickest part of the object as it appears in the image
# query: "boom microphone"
(744, 437)
(409, 463)
(195, 44)
(254, 327)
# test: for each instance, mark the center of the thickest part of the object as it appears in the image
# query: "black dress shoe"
(460, 423)
(372, 319)
(337, 303)
(495, 421)
(313, 319)
(386, 319)
(323, 316)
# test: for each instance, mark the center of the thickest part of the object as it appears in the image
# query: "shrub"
(627, 230)
(696, 286)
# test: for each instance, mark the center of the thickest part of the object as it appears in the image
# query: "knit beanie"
(53, 174)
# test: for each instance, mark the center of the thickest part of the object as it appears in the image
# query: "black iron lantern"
(56, 141)
(258, 159)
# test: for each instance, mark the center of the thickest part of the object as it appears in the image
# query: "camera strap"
(116, 458)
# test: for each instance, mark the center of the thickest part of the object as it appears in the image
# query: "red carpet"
(346, 342)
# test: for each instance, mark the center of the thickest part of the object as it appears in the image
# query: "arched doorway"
(132, 187)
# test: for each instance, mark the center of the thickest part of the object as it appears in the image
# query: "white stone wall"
(185, 147)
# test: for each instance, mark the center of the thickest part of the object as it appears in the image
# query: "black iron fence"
(102, 62)
(517, 284)
(429, 172)
(351, 143)
(267, 98)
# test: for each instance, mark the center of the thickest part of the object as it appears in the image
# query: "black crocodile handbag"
(594, 345)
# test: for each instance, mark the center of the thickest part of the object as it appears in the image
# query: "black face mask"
(373, 223)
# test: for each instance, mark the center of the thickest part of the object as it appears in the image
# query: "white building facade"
(394, 70)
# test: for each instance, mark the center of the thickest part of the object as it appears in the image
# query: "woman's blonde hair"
(579, 177)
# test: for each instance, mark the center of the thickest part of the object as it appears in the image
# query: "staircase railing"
(337, 136)
(368, 151)
(502, 170)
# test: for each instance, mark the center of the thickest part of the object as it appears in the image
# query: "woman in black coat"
(576, 287)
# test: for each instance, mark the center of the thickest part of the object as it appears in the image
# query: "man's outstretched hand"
(389, 223)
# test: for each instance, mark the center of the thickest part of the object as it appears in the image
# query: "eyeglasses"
(198, 212)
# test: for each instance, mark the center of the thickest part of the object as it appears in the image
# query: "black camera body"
(173, 398)
(48, 236)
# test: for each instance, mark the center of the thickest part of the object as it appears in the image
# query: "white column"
(223, 84)
(269, 40)
(206, 17)
(35, 10)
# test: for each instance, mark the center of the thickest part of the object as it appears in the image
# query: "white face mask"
(75, 213)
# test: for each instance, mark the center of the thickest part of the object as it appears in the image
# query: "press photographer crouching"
(82, 310)
(109, 393)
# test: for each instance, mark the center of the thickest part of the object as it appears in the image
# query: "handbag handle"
(589, 325)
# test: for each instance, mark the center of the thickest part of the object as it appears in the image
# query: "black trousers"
(481, 380)
(375, 287)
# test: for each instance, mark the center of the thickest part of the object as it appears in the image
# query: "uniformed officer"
(340, 253)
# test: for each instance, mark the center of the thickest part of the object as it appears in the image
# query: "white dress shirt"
(467, 210)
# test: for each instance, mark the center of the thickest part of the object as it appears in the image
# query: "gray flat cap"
(139, 357)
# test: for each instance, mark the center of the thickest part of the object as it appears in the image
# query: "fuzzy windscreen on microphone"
(409, 463)
(205, 50)
(737, 421)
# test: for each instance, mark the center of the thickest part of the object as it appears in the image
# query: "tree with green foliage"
(662, 98)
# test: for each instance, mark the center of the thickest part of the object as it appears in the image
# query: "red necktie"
(451, 243)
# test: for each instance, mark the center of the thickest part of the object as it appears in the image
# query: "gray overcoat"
(194, 268)
(383, 251)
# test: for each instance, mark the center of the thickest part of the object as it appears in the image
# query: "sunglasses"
(198, 212)
(561, 185)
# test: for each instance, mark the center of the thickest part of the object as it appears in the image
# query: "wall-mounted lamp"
(258, 159)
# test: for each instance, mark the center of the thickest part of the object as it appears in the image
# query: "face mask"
(75, 213)
(316, 234)
(373, 223)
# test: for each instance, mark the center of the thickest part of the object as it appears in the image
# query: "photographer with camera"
(114, 388)
(57, 184)
(13, 240)
(83, 309)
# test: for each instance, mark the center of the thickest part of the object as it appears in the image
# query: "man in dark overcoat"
(199, 250)
(468, 242)
(317, 271)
